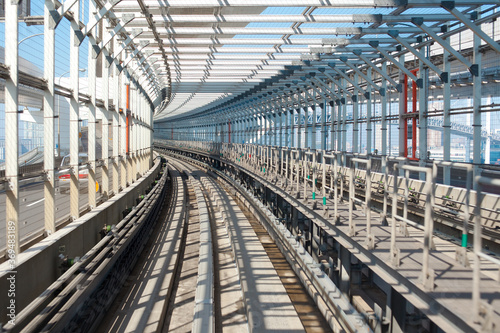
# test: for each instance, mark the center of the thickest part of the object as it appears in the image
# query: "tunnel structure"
(358, 125)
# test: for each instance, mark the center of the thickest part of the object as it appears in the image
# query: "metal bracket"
(370, 242)
(403, 229)
(46, 176)
(485, 317)
(352, 231)
(461, 256)
(395, 254)
(428, 280)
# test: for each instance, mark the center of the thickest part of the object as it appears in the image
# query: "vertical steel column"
(292, 134)
(276, 131)
(105, 125)
(92, 77)
(48, 114)
(478, 249)
(123, 134)
(74, 114)
(12, 128)
(313, 130)
(394, 250)
(339, 119)
(140, 129)
(332, 125)
(306, 124)
(260, 123)
(446, 117)
(370, 238)
(383, 125)
(368, 96)
(323, 125)
(116, 130)
(299, 123)
(422, 113)
(476, 94)
(355, 117)
(142, 110)
(281, 127)
(133, 129)
(267, 127)
(133, 136)
(402, 106)
(149, 143)
(344, 118)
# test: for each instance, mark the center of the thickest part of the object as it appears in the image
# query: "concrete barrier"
(38, 266)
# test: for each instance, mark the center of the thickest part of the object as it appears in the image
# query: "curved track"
(205, 270)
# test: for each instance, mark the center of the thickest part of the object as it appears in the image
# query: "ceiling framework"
(209, 56)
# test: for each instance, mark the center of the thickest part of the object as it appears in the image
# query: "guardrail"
(74, 240)
(59, 306)
(300, 260)
(427, 194)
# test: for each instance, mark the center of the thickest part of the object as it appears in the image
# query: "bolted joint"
(393, 33)
(417, 21)
(444, 76)
(448, 5)
(474, 70)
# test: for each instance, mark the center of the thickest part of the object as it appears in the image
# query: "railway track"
(79, 298)
(188, 258)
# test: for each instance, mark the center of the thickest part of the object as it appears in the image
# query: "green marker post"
(464, 240)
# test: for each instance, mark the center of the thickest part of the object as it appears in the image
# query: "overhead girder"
(223, 49)
(395, 62)
(348, 79)
(451, 7)
(340, 42)
(364, 76)
(473, 68)
(185, 53)
(310, 3)
(306, 18)
(364, 57)
(442, 75)
(350, 31)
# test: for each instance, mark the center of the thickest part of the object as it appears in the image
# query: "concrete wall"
(38, 267)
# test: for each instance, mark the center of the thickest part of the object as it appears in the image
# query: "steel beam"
(48, 126)
(450, 6)
(92, 78)
(12, 135)
(74, 117)
(476, 106)
(473, 68)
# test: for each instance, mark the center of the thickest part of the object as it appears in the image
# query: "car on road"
(64, 176)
